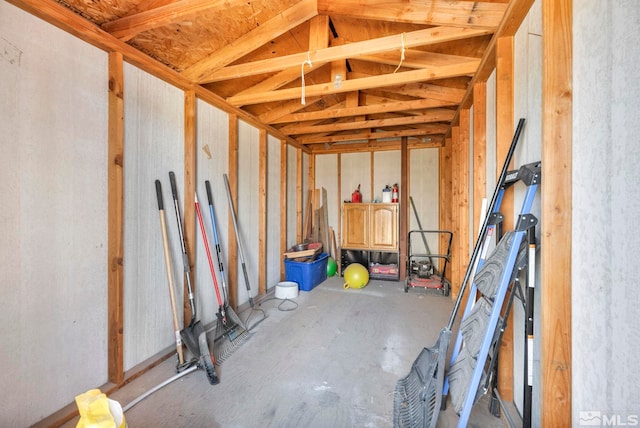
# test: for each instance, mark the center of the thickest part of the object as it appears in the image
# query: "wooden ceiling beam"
(267, 31)
(435, 115)
(414, 58)
(434, 73)
(130, 26)
(376, 146)
(318, 39)
(375, 135)
(351, 50)
(469, 14)
(341, 111)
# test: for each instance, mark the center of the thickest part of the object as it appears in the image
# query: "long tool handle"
(424, 238)
(235, 228)
(185, 257)
(225, 290)
(208, 251)
(167, 261)
(485, 224)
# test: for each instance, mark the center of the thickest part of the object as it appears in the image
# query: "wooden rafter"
(431, 129)
(434, 73)
(352, 50)
(434, 115)
(342, 111)
(426, 12)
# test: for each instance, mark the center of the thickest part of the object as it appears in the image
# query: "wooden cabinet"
(370, 237)
(383, 227)
(370, 227)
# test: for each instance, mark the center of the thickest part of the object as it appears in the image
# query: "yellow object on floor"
(355, 276)
(98, 411)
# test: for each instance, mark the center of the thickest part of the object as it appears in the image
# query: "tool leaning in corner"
(194, 335)
(183, 368)
(230, 331)
(241, 255)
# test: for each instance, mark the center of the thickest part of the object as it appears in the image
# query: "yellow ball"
(355, 276)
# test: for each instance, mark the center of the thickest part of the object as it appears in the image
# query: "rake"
(230, 332)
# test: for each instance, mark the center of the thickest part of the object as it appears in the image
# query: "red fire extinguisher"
(356, 196)
(394, 193)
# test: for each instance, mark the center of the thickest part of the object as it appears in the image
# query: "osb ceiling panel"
(323, 72)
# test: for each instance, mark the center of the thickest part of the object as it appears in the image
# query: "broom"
(230, 333)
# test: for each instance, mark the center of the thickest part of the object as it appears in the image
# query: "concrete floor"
(332, 362)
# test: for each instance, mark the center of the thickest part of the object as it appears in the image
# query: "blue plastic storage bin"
(307, 274)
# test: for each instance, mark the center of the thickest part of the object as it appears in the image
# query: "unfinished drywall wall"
(355, 170)
(247, 208)
(292, 195)
(606, 201)
(274, 252)
(424, 190)
(212, 158)
(153, 146)
(327, 178)
(53, 222)
(387, 170)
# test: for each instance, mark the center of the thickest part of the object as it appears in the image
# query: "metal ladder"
(482, 325)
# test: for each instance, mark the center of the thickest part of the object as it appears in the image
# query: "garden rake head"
(230, 334)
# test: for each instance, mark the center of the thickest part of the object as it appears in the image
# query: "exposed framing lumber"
(299, 197)
(414, 58)
(128, 27)
(341, 52)
(557, 87)
(283, 203)
(115, 226)
(233, 187)
(463, 189)
(262, 213)
(426, 12)
(434, 115)
(202, 71)
(457, 243)
(504, 134)
(190, 148)
(479, 151)
(428, 130)
(445, 200)
(427, 74)
(376, 146)
(403, 206)
(342, 111)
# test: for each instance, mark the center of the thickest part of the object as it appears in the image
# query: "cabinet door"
(355, 226)
(384, 227)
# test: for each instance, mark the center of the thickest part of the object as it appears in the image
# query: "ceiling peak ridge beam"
(363, 110)
(352, 50)
(468, 14)
(394, 79)
(128, 27)
(267, 31)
